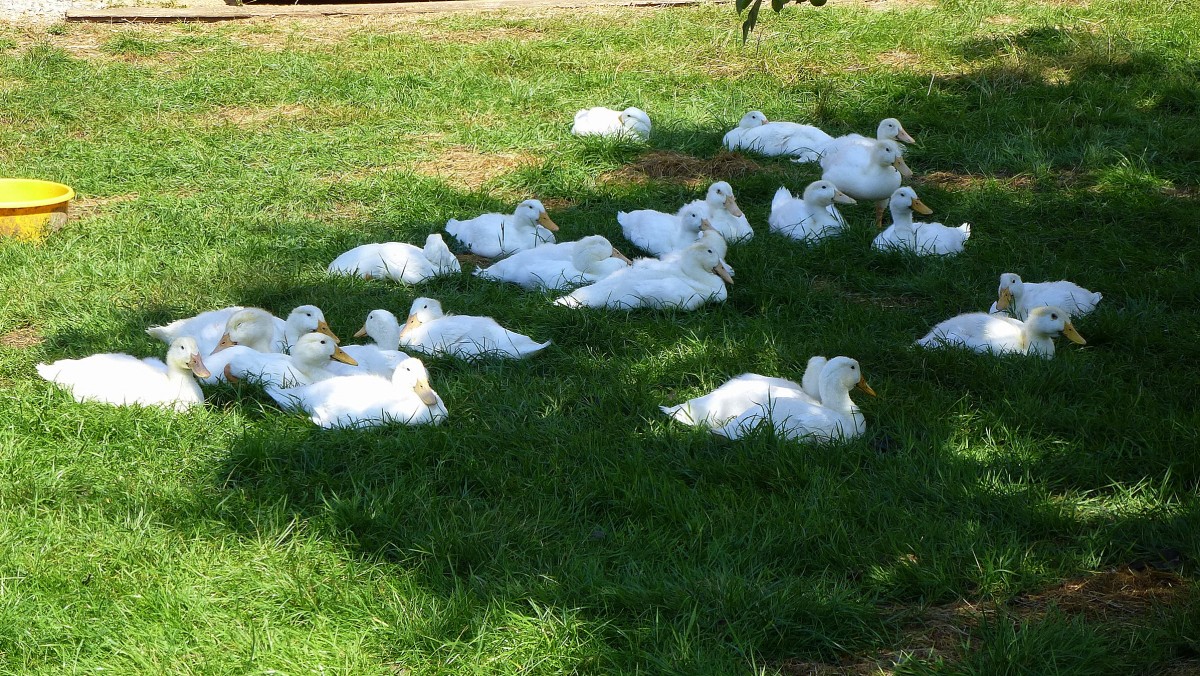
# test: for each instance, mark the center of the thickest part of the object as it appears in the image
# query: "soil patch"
(22, 337)
(666, 165)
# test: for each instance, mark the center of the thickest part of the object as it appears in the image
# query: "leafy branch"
(755, 5)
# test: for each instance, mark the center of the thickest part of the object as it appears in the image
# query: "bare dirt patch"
(22, 337)
(950, 180)
(899, 59)
(464, 167)
(1123, 595)
(666, 165)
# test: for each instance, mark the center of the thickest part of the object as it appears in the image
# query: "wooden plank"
(250, 11)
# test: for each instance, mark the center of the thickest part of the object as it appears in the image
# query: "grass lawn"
(1001, 515)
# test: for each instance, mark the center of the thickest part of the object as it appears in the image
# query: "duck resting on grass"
(357, 401)
(811, 218)
(835, 418)
(889, 129)
(658, 233)
(757, 134)
(308, 362)
(431, 331)
(720, 208)
(124, 380)
(208, 328)
(982, 332)
(746, 391)
(1019, 298)
(495, 235)
(398, 260)
(558, 266)
(631, 123)
(923, 239)
(380, 356)
(684, 279)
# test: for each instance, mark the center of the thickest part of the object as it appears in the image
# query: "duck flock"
(300, 363)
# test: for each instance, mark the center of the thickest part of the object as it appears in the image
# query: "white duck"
(743, 392)
(923, 239)
(722, 212)
(430, 330)
(545, 267)
(380, 357)
(631, 123)
(685, 280)
(368, 400)
(750, 121)
(836, 417)
(998, 334)
(867, 172)
(811, 218)
(209, 327)
(307, 363)
(889, 129)
(658, 233)
(248, 330)
(493, 235)
(122, 380)
(1019, 298)
(398, 260)
(756, 133)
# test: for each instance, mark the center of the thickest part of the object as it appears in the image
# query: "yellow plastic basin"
(30, 208)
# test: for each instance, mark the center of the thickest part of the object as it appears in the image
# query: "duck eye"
(1053, 316)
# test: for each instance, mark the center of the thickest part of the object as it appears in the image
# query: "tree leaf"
(751, 19)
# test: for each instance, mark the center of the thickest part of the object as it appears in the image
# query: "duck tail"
(781, 196)
(965, 228)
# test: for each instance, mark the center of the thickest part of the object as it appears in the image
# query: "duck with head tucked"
(398, 260)
(631, 123)
(558, 266)
(431, 331)
(495, 235)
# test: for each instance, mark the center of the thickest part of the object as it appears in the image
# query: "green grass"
(558, 522)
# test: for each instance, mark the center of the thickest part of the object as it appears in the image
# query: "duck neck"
(903, 220)
(182, 378)
(386, 337)
(1036, 343)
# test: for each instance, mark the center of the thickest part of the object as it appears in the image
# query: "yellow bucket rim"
(67, 196)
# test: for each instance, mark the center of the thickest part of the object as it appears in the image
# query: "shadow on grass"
(557, 483)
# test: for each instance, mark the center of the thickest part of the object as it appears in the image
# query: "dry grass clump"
(666, 165)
